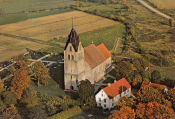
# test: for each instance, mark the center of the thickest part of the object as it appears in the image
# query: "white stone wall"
(74, 69)
(110, 103)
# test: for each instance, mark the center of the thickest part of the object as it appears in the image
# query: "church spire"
(73, 38)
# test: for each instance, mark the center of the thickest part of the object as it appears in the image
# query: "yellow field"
(46, 28)
(11, 47)
(54, 26)
(167, 4)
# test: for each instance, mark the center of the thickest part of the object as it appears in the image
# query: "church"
(80, 63)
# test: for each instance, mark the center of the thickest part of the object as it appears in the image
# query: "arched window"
(69, 57)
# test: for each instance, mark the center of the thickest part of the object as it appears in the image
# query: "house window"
(104, 100)
(101, 95)
(99, 99)
(104, 105)
(72, 57)
(69, 57)
(99, 104)
(70, 48)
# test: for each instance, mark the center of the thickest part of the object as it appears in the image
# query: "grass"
(8, 19)
(52, 89)
(14, 6)
(105, 35)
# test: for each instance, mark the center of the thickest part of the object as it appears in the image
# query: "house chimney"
(109, 84)
(115, 81)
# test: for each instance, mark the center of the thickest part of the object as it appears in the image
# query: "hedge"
(67, 114)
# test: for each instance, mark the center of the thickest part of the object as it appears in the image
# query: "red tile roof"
(117, 87)
(106, 53)
(154, 85)
(93, 56)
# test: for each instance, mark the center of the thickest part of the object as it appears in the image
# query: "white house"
(110, 95)
(80, 63)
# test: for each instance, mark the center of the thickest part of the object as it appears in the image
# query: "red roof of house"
(117, 87)
(94, 56)
(154, 85)
(106, 53)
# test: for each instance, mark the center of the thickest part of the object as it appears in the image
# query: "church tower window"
(72, 57)
(70, 48)
(69, 57)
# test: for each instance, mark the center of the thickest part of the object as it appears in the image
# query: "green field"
(8, 19)
(14, 6)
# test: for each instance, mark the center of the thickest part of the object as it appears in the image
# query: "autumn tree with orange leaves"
(153, 110)
(124, 113)
(20, 82)
(148, 94)
(126, 101)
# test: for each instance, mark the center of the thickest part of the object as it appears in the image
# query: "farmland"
(168, 4)
(56, 26)
(14, 6)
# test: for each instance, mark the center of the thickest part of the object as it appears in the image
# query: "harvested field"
(10, 47)
(56, 26)
(36, 33)
(168, 4)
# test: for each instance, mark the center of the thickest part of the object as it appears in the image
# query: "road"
(154, 10)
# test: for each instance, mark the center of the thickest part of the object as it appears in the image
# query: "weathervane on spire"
(73, 21)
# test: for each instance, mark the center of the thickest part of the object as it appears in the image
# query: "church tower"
(74, 69)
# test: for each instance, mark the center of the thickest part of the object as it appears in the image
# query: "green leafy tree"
(20, 82)
(29, 97)
(124, 69)
(155, 76)
(85, 92)
(40, 72)
(37, 112)
(9, 97)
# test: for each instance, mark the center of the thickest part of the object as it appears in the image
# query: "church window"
(69, 57)
(104, 100)
(72, 57)
(70, 48)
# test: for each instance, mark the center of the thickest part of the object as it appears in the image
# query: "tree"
(1, 86)
(126, 101)
(148, 94)
(124, 69)
(20, 82)
(85, 92)
(37, 112)
(171, 95)
(29, 97)
(106, 2)
(124, 113)
(2, 106)
(40, 72)
(9, 98)
(10, 113)
(137, 81)
(155, 76)
(153, 110)
(21, 62)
